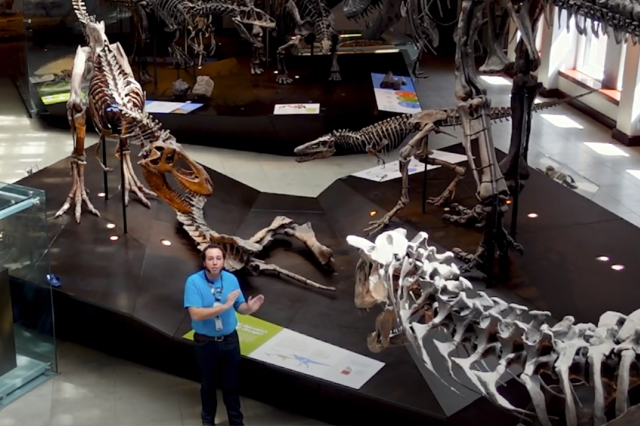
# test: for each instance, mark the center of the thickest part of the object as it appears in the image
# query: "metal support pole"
(424, 188)
(122, 190)
(105, 177)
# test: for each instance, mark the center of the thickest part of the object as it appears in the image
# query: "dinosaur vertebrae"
(389, 134)
(418, 283)
(621, 16)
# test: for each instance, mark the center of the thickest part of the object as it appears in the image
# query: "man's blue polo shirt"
(198, 294)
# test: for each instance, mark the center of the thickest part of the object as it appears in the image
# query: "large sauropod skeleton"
(117, 103)
(421, 291)
(389, 134)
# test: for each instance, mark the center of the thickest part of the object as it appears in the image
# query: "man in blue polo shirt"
(213, 297)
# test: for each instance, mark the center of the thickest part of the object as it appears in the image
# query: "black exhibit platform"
(240, 113)
(124, 297)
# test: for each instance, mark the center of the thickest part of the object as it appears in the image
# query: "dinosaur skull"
(322, 147)
(161, 158)
(253, 16)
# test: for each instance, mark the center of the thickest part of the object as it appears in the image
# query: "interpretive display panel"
(395, 93)
(391, 170)
(279, 346)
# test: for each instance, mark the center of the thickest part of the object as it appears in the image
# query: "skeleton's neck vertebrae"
(414, 283)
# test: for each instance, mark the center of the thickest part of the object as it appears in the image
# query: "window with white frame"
(591, 57)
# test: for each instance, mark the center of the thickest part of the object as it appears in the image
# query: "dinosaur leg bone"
(496, 61)
(283, 76)
(335, 68)
(259, 266)
(257, 46)
(282, 225)
(77, 114)
(131, 181)
(78, 193)
(450, 191)
(417, 144)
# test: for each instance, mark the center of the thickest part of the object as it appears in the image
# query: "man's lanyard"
(215, 291)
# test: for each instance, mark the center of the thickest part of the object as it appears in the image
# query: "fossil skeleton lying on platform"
(389, 134)
(117, 103)
(422, 291)
(162, 157)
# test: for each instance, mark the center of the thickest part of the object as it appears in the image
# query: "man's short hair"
(203, 253)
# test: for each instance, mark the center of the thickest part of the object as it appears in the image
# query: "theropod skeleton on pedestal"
(116, 103)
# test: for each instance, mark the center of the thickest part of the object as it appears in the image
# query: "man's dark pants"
(219, 363)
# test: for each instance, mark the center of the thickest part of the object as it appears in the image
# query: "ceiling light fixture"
(165, 242)
(111, 225)
(532, 215)
(617, 267)
(603, 258)
(114, 238)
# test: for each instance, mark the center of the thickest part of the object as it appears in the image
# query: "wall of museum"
(573, 64)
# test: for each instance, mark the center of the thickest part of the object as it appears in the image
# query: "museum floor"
(93, 388)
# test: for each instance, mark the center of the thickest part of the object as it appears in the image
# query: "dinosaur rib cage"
(111, 91)
(602, 358)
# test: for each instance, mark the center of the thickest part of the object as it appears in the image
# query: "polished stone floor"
(93, 388)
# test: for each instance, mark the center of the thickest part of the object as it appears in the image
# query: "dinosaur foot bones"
(131, 181)
(78, 192)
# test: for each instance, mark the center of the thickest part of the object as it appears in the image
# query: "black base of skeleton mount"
(130, 311)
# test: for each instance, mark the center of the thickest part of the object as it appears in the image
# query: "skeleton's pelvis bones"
(422, 290)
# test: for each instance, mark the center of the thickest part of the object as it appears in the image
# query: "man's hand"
(231, 298)
(254, 303)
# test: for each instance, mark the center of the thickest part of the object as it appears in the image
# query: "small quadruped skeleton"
(313, 21)
(116, 102)
(389, 134)
(422, 290)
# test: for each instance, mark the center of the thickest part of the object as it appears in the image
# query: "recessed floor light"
(101, 194)
(373, 213)
(603, 258)
(617, 267)
(165, 242)
(113, 237)
(111, 225)
(532, 215)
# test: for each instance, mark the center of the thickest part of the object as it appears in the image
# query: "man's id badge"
(218, 320)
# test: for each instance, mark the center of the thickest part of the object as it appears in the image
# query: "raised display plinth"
(133, 308)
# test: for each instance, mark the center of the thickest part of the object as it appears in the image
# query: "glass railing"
(27, 338)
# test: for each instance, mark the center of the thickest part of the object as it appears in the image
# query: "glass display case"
(564, 175)
(27, 338)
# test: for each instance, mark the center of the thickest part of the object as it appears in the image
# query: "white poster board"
(291, 109)
(164, 107)
(303, 354)
(391, 170)
(403, 100)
